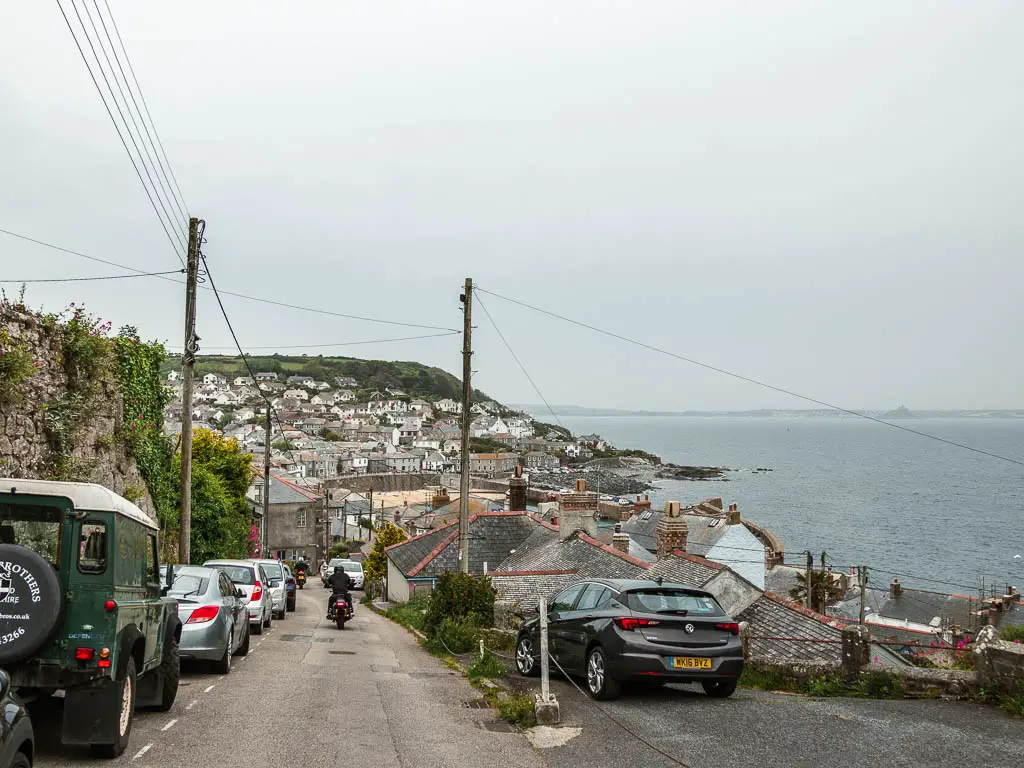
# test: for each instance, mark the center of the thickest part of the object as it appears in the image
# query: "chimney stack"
(672, 531)
(895, 588)
(620, 540)
(732, 517)
(517, 491)
(577, 512)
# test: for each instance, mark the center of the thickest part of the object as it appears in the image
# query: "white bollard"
(546, 706)
(481, 647)
(545, 693)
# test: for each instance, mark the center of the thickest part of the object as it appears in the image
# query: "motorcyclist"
(340, 583)
(301, 566)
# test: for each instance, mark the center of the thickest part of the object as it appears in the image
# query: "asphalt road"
(310, 695)
(755, 728)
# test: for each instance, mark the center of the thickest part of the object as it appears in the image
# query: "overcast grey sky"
(825, 196)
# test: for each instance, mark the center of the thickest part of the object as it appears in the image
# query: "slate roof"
(683, 568)
(914, 605)
(492, 535)
(286, 492)
(587, 556)
(773, 616)
(526, 589)
(703, 532)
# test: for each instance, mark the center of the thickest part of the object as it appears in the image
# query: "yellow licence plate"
(690, 662)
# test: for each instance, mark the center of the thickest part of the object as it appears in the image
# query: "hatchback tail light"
(731, 627)
(257, 592)
(630, 623)
(203, 614)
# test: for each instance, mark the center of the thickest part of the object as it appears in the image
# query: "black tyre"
(268, 619)
(291, 606)
(124, 713)
(34, 587)
(21, 761)
(223, 665)
(256, 627)
(600, 685)
(169, 671)
(243, 649)
(341, 623)
(527, 663)
(719, 689)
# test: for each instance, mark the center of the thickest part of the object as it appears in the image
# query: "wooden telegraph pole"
(188, 363)
(266, 483)
(467, 397)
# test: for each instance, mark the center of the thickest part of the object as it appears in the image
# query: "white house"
(215, 380)
(573, 450)
(488, 425)
(241, 381)
(266, 376)
(344, 396)
(519, 427)
(226, 398)
(396, 406)
(418, 405)
(449, 406)
(244, 414)
(298, 394)
(344, 411)
(317, 400)
(174, 376)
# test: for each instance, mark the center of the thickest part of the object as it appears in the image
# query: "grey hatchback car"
(612, 631)
(214, 616)
(254, 583)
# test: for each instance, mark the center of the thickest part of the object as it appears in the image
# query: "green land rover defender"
(82, 609)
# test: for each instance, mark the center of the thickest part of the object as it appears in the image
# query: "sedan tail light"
(731, 627)
(630, 623)
(257, 592)
(203, 614)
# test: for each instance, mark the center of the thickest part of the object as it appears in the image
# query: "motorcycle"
(300, 579)
(340, 612)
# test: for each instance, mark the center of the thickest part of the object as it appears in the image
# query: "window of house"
(92, 547)
(300, 518)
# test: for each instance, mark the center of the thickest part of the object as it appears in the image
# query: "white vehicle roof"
(88, 497)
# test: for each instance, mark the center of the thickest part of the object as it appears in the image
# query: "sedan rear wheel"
(599, 684)
(719, 689)
(223, 665)
(526, 662)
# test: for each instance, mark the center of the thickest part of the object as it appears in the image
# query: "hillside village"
(322, 429)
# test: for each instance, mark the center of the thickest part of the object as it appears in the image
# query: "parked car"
(78, 555)
(290, 588)
(327, 570)
(254, 582)
(355, 572)
(612, 631)
(214, 616)
(17, 740)
(278, 590)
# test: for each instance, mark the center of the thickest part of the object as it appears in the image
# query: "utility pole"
(467, 397)
(266, 482)
(188, 363)
(370, 529)
(808, 577)
(344, 520)
(863, 574)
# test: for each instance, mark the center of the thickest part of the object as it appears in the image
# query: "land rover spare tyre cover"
(31, 602)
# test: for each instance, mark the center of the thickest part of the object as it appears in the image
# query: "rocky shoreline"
(626, 476)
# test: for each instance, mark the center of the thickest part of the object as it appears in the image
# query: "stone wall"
(1000, 664)
(385, 482)
(100, 455)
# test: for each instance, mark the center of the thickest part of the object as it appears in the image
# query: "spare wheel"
(31, 603)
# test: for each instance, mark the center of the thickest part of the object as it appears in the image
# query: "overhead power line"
(105, 277)
(343, 343)
(230, 293)
(751, 380)
(154, 158)
(520, 364)
(177, 244)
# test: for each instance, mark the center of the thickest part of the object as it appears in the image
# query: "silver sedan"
(214, 616)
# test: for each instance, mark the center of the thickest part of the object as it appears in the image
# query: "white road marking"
(142, 751)
(192, 704)
(209, 688)
(169, 725)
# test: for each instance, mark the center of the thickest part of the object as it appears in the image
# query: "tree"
(376, 565)
(824, 591)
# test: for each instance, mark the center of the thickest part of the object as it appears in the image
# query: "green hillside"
(415, 379)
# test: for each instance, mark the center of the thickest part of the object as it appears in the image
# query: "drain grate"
(342, 653)
(476, 704)
(296, 638)
(323, 640)
(496, 726)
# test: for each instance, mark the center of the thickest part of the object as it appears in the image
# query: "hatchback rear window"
(239, 574)
(352, 567)
(273, 570)
(187, 585)
(673, 601)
